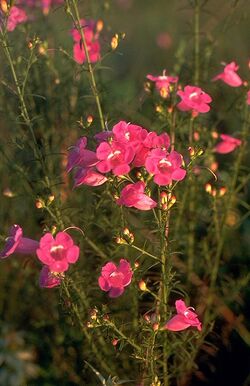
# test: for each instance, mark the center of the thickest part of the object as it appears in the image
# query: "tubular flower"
(133, 196)
(195, 99)
(229, 75)
(16, 16)
(47, 279)
(91, 37)
(113, 279)
(57, 253)
(186, 317)
(114, 156)
(227, 145)
(16, 243)
(163, 82)
(165, 166)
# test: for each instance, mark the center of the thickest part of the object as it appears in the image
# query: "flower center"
(114, 154)
(193, 95)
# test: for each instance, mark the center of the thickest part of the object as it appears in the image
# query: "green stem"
(76, 313)
(122, 335)
(197, 42)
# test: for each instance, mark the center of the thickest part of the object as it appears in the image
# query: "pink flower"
(93, 45)
(248, 97)
(47, 279)
(127, 133)
(164, 166)
(185, 318)
(16, 16)
(16, 243)
(195, 99)
(79, 156)
(162, 82)
(46, 5)
(229, 75)
(151, 141)
(89, 176)
(227, 145)
(133, 196)
(113, 279)
(114, 156)
(57, 253)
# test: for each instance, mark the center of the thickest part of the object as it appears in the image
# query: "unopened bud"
(93, 314)
(196, 136)
(142, 285)
(222, 191)
(39, 204)
(155, 326)
(53, 229)
(245, 83)
(164, 197)
(208, 188)
(137, 264)
(114, 342)
(191, 151)
(105, 318)
(51, 198)
(114, 42)
(200, 152)
(30, 45)
(214, 166)
(126, 231)
(214, 134)
(214, 193)
(8, 193)
(99, 25)
(164, 92)
(4, 6)
(90, 119)
(90, 325)
(42, 50)
(120, 240)
(170, 109)
(147, 87)
(158, 108)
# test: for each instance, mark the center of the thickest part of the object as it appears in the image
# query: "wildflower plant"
(132, 215)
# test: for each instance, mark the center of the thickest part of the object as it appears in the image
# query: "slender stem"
(77, 20)
(197, 42)
(145, 252)
(122, 335)
(76, 313)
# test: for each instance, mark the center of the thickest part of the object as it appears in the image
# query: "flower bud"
(120, 240)
(164, 92)
(208, 188)
(114, 342)
(89, 119)
(51, 198)
(222, 191)
(191, 151)
(155, 326)
(99, 25)
(114, 42)
(142, 285)
(215, 135)
(39, 203)
(196, 136)
(137, 264)
(4, 6)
